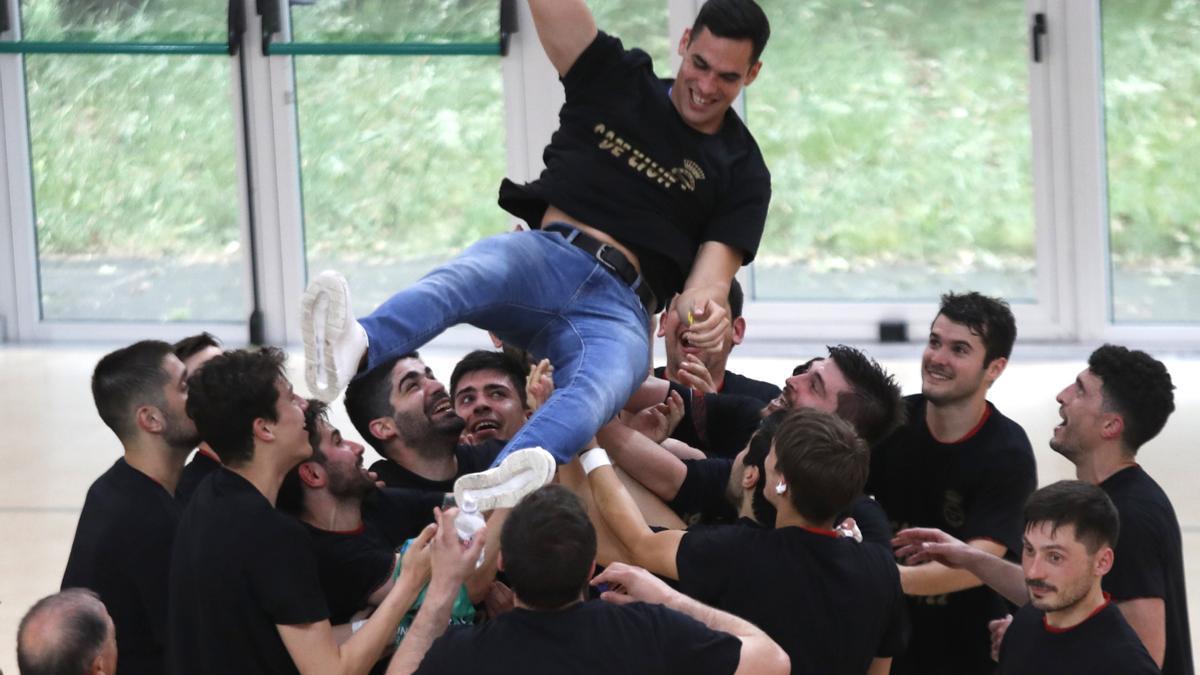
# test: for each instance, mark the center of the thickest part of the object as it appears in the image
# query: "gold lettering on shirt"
(685, 176)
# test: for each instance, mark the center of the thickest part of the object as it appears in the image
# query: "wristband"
(594, 459)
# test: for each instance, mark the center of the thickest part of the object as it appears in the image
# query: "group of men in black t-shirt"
(790, 496)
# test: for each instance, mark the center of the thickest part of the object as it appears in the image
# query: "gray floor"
(54, 445)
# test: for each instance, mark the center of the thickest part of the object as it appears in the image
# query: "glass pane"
(393, 21)
(639, 24)
(897, 135)
(124, 21)
(1152, 85)
(400, 169)
(135, 187)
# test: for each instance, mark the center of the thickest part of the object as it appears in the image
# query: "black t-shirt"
(831, 603)
(122, 551)
(974, 488)
(588, 637)
(718, 424)
(1148, 558)
(196, 470)
(471, 459)
(353, 564)
(239, 569)
(625, 162)
(739, 385)
(1103, 643)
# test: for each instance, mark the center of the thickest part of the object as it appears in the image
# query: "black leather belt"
(612, 259)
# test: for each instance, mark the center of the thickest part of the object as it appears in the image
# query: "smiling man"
(488, 389)
(404, 412)
(650, 188)
(961, 466)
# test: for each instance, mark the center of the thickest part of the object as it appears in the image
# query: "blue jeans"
(536, 291)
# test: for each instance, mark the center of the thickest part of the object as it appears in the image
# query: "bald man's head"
(68, 632)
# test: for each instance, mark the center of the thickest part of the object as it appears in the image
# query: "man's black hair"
(756, 456)
(1136, 386)
(735, 20)
(1074, 502)
(823, 461)
(873, 406)
(229, 393)
(989, 318)
(484, 359)
(369, 397)
(194, 344)
(737, 299)
(291, 492)
(548, 545)
(78, 636)
(127, 379)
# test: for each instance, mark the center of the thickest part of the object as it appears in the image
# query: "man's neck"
(428, 465)
(790, 518)
(1101, 463)
(162, 463)
(951, 422)
(326, 512)
(261, 474)
(1079, 612)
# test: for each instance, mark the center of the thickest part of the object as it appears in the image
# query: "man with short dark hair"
(355, 527)
(651, 188)
(961, 466)
(705, 371)
(834, 605)
(68, 633)
(488, 390)
(1070, 626)
(122, 546)
(548, 551)
(194, 351)
(404, 412)
(245, 595)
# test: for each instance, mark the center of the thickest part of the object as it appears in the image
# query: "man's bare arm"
(1148, 618)
(646, 461)
(918, 545)
(937, 579)
(707, 287)
(565, 28)
(653, 550)
(759, 655)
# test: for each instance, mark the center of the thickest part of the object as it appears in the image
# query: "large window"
(1152, 85)
(898, 139)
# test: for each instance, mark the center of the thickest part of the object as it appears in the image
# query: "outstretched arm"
(938, 563)
(759, 652)
(653, 550)
(565, 28)
(646, 461)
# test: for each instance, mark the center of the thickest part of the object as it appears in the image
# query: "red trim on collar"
(1052, 629)
(987, 412)
(822, 531)
(362, 527)
(209, 454)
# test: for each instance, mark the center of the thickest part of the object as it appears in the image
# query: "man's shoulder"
(748, 386)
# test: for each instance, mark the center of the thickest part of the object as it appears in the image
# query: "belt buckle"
(604, 248)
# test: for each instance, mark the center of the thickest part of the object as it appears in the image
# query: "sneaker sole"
(500, 487)
(323, 313)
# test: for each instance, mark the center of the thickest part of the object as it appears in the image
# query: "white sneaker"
(521, 472)
(334, 343)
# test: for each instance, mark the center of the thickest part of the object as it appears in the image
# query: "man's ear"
(500, 561)
(1104, 561)
(685, 41)
(1112, 427)
(752, 74)
(739, 331)
(312, 474)
(995, 369)
(383, 428)
(150, 419)
(262, 429)
(749, 477)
